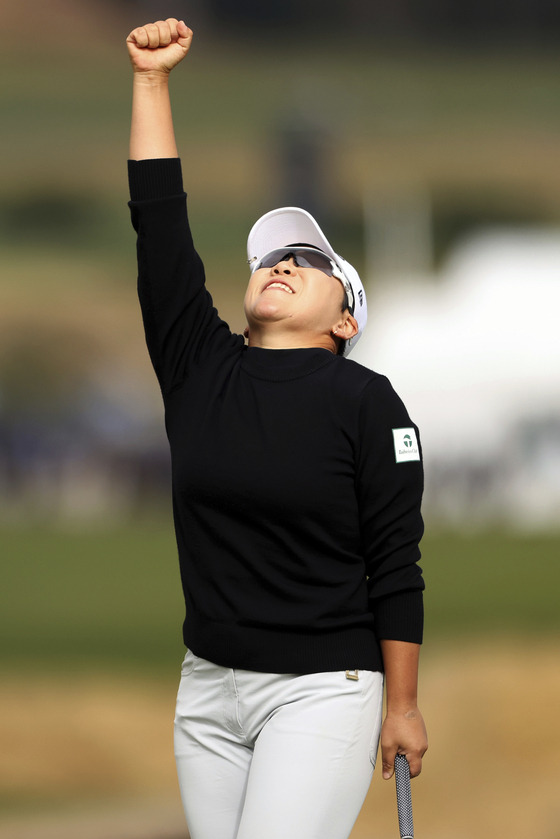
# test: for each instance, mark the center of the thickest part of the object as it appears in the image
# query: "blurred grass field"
(91, 625)
(110, 597)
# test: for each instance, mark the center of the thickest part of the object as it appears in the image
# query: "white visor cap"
(290, 226)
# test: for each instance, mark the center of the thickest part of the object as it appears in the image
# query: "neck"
(277, 341)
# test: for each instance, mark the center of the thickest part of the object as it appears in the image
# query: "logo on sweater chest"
(406, 445)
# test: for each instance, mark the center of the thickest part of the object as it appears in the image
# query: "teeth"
(283, 286)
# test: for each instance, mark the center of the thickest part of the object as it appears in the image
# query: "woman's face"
(302, 299)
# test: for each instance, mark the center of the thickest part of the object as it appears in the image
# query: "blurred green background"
(109, 597)
(343, 103)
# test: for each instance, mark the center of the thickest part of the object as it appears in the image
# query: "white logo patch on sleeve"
(406, 445)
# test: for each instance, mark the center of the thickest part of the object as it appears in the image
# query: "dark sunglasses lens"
(304, 258)
(273, 258)
(310, 259)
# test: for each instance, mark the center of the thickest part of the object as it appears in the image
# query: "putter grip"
(404, 798)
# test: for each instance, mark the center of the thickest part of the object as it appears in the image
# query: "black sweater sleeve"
(180, 321)
(390, 494)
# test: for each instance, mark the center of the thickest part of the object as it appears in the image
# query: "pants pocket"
(189, 663)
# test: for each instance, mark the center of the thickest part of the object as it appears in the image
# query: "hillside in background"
(357, 133)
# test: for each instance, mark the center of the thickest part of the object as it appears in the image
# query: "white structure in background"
(475, 354)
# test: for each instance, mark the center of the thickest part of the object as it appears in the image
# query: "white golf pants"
(274, 756)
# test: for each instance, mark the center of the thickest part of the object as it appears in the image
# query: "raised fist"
(159, 46)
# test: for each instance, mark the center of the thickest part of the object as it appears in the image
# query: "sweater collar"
(282, 365)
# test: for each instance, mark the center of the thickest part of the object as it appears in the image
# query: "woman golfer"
(297, 480)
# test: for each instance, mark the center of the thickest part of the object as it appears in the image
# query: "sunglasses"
(308, 258)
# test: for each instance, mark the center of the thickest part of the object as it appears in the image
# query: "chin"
(267, 311)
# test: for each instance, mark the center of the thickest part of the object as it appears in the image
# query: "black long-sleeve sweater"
(297, 520)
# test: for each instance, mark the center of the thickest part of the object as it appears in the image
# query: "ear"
(246, 333)
(346, 328)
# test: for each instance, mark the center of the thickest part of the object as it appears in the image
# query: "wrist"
(405, 709)
(151, 78)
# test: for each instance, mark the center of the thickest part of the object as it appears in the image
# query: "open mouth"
(279, 285)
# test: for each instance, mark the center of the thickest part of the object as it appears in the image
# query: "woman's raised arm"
(154, 50)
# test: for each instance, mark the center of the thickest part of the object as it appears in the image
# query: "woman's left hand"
(403, 733)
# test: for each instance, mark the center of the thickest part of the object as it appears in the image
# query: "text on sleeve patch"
(406, 445)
